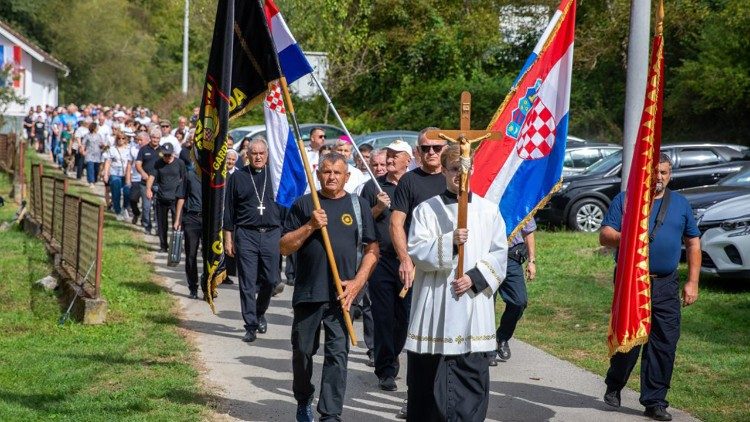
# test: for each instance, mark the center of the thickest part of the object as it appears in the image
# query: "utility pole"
(635, 85)
(186, 25)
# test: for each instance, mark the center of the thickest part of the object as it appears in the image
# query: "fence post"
(78, 240)
(98, 256)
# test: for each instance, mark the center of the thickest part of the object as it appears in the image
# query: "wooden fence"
(71, 226)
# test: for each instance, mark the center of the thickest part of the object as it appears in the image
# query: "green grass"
(568, 316)
(134, 367)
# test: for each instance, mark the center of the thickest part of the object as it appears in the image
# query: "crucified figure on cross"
(465, 137)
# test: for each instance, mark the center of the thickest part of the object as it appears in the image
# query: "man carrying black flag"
(241, 65)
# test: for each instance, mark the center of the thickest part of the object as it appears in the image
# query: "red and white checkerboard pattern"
(537, 133)
(274, 100)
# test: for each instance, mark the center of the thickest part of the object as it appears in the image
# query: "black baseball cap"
(167, 149)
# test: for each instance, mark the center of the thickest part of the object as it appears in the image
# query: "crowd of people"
(394, 240)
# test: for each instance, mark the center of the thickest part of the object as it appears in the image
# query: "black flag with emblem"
(241, 65)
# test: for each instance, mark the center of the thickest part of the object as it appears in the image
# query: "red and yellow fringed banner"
(630, 322)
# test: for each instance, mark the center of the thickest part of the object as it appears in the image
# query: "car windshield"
(605, 164)
(740, 179)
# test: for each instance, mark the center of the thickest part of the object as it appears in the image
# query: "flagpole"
(316, 205)
(341, 122)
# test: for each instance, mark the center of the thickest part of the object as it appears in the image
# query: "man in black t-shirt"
(147, 157)
(189, 219)
(314, 299)
(167, 180)
(413, 188)
(389, 312)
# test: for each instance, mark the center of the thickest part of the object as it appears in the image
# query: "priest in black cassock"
(252, 229)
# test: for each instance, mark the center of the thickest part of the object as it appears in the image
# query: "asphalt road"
(253, 381)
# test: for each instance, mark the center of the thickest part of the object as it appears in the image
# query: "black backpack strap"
(661, 216)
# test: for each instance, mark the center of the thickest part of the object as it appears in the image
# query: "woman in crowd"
(93, 146)
(116, 166)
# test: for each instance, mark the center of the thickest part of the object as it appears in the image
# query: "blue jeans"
(115, 186)
(146, 204)
(92, 171)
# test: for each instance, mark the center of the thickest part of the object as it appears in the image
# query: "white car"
(725, 238)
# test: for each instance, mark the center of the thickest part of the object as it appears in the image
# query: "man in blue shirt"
(658, 355)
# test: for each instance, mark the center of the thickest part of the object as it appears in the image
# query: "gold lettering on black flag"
(241, 65)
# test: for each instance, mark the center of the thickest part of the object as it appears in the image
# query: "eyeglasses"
(426, 148)
(165, 126)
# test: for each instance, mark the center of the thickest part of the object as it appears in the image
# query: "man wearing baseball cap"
(390, 313)
(165, 182)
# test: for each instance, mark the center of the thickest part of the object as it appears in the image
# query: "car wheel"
(586, 215)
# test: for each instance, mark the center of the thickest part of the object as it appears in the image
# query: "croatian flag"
(293, 62)
(522, 170)
(284, 161)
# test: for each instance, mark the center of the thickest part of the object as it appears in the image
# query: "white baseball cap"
(400, 146)
(119, 114)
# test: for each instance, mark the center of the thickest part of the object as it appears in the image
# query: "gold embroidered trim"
(459, 339)
(440, 251)
(492, 270)
(430, 339)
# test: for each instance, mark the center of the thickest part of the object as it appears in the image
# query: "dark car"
(702, 197)
(583, 199)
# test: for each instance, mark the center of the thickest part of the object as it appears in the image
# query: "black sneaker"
(228, 281)
(493, 359)
(370, 359)
(262, 325)
(387, 384)
(612, 397)
(134, 220)
(658, 413)
(503, 351)
(249, 337)
(304, 413)
(193, 295)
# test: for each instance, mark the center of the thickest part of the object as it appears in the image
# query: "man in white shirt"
(166, 136)
(317, 139)
(105, 130)
(181, 125)
(356, 177)
(451, 335)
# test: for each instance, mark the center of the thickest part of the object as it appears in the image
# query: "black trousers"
(448, 388)
(257, 258)
(191, 227)
(513, 292)
(390, 316)
(305, 341)
(135, 196)
(79, 163)
(657, 360)
(163, 208)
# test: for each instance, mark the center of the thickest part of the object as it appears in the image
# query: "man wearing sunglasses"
(414, 187)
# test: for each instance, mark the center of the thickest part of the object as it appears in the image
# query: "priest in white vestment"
(451, 335)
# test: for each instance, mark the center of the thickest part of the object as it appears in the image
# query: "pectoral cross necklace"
(261, 196)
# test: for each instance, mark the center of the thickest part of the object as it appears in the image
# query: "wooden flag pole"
(316, 205)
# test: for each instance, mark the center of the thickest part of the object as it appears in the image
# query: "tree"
(8, 94)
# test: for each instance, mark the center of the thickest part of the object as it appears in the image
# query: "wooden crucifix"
(464, 137)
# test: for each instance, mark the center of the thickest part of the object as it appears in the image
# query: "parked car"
(702, 197)
(725, 239)
(249, 132)
(580, 156)
(382, 139)
(584, 198)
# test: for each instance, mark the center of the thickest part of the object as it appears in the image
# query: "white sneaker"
(125, 214)
(119, 217)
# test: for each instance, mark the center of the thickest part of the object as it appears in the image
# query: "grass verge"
(568, 316)
(135, 367)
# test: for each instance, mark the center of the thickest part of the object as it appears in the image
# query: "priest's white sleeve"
(492, 264)
(430, 243)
